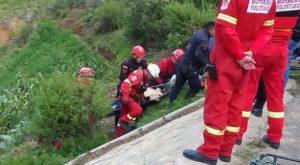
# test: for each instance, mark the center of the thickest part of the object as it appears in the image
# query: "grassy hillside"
(39, 99)
(19, 8)
(48, 51)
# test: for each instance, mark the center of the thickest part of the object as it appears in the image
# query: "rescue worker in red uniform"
(132, 89)
(242, 29)
(270, 65)
(85, 76)
(167, 66)
(133, 63)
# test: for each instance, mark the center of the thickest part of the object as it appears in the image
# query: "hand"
(248, 53)
(247, 63)
(249, 66)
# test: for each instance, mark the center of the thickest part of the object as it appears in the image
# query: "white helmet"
(154, 70)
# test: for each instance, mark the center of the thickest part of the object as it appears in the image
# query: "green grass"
(11, 8)
(27, 154)
(163, 108)
(49, 50)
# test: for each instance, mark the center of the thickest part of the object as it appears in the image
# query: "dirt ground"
(6, 30)
(164, 145)
(71, 22)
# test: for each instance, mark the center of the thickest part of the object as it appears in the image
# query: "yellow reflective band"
(246, 113)
(276, 114)
(227, 18)
(269, 22)
(283, 30)
(232, 129)
(214, 131)
(129, 117)
(127, 81)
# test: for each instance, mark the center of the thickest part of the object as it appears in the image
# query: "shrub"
(62, 108)
(109, 16)
(60, 8)
(145, 24)
(15, 111)
(161, 24)
(182, 19)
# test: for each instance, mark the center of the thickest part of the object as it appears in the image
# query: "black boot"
(196, 156)
(190, 93)
(271, 144)
(225, 158)
(238, 141)
(257, 112)
(125, 126)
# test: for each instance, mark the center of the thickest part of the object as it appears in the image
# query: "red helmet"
(86, 71)
(177, 54)
(138, 51)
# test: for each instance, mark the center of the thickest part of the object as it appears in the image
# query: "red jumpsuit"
(240, 26)
(130, 98)
(271, 64)
(166, 67)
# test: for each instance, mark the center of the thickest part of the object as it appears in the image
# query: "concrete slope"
(164, 145)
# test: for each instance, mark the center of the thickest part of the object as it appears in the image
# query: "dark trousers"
(260, 95)
(185, 73)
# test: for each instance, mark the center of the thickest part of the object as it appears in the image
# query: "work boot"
(196, 156)
(238, 141)
(190, 94)
(257, 112)
(125, 126)
(225, 158)
(271, 144)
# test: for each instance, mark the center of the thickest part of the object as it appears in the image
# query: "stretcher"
(271, 159)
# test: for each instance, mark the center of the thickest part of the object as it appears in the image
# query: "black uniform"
(193, 61)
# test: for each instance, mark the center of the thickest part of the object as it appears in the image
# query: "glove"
(172, 81)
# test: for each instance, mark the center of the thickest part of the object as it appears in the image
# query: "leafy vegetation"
(40, 101)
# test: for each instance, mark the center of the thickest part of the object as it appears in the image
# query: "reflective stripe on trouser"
(130, 112)
(270, 64)
(244, 123)
(222, 108)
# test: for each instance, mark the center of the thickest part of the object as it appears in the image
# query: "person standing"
(242, 29)
(270, 65)
(260, 100)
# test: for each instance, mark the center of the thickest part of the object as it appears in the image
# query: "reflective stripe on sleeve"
(131, 118)
(127, 81)
(227, 18)
(269, 22)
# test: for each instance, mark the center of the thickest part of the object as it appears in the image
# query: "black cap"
(209, 24)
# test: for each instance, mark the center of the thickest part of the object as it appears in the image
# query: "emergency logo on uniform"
(133, 78)
(225, 4)
(290, 5)
(259, 6)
